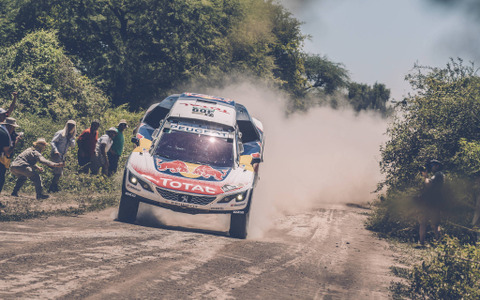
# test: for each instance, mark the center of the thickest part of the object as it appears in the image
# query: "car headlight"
(135, 180)
(237, 197)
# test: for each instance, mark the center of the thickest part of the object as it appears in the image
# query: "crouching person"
(24, 166)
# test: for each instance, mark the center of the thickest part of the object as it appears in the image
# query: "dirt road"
(323, 254)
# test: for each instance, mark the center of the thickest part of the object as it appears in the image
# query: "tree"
(365, 97)
(289, 60)
(431, 123)
(137, 50)
(324, 74)
(49, 84)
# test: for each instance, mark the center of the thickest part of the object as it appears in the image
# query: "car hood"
(188, 177)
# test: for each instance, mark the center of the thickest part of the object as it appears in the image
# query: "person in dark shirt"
(432, 199)
(117, 148)
(87, 141)
(7, 144)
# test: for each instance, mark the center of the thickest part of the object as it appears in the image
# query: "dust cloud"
(321, 157)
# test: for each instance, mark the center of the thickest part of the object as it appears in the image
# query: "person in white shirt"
(61, 142)
(100, 160)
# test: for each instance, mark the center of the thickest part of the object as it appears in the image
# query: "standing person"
(104, 143)
(117, 148)
(86, 145)
(62, 140)
(6, 113)
(24, 166)
(7, 145)
(432, 200)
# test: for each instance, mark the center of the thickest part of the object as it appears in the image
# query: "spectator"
(62, 140)
(432, 199)
(117, 148)
(6, 113)
(6, 147)
(104, 143)
(86, 146)
(24, 166)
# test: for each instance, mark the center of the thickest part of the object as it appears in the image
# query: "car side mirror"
(135, 140)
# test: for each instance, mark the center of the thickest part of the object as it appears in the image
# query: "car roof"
(204, 107)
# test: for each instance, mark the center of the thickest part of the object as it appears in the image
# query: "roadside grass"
(447, 269)
(80, 193)
(407, 255)
(60, 204)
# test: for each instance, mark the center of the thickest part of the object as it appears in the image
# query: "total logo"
(187, 187)
(182, 184)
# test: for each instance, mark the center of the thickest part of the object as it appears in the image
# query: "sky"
(381, 40)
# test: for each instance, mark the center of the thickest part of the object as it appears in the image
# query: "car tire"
(127, 210)
(238, 225)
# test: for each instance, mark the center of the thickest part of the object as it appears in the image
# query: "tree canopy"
(433, 123)
(49, 84)
(138, 49)
(365, 97)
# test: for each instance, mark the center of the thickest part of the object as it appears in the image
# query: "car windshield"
(195, 148)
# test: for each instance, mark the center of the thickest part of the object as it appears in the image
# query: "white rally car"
(195, 154)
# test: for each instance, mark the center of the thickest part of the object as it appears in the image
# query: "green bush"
(397, 214)
(51, 91)
(439, 121)
(47, 82)
(451, 272)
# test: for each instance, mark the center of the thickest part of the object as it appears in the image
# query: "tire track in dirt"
(322, 254)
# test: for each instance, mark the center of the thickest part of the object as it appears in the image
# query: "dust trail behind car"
(323, 156)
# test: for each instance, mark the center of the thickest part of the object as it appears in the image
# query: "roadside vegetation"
(440, 121)
(109, 60)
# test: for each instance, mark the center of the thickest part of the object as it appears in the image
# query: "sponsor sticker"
(219, 109)
(130, 194)
(198, 130)
(208, 112)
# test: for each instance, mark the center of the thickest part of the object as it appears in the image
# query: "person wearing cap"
(25, 166)
(117, 148)
(87, 141)
(104, 143)
(432, 200)
(62, 140)
(7, 145)
(6, 113)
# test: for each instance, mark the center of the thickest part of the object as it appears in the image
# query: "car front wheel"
(127, 210)
(238, 225)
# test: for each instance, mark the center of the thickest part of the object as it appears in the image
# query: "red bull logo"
(256, 155)
(175, 166)
(207, 172)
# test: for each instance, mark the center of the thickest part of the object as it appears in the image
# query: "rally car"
(195, 154)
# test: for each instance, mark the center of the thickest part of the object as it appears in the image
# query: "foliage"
(452, 272)
(397, 212)
(439, 122)
(138, 50)
(52, 91)
(365, 97)
(324, 74)
(432, 123)
(46, 80)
